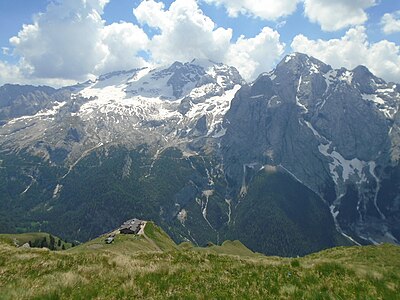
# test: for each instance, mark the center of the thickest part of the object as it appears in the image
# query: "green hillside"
(35, 240)
(290, 219)
(154, 240)
(152, 266)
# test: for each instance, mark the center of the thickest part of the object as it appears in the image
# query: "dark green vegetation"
(391, 190)
(278, 215)
(99, 193)
(153, 266)
(289, 220)
(35, 240)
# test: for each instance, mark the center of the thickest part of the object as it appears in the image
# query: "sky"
(61, 42)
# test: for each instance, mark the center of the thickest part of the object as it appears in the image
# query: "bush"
(295, 263)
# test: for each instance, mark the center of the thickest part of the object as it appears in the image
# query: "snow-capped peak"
(172, 99)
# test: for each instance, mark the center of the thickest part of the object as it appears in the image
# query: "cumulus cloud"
(267, 9)
(186, 33)
(65, 41)
(19, 74)
(353, 49)
(256, 55)
(70, 40)
(338, 14)
(9, 73)
(391, 22)
(121, 44)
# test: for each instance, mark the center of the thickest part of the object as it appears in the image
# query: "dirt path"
(141, 232)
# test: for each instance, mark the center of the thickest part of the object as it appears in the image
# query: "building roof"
(132, 221)
(133, 225)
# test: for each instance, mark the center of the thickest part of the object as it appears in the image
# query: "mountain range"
(304, 158)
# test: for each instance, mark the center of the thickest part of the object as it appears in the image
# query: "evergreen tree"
(52, 243)
(44, 243)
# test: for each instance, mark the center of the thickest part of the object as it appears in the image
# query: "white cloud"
(186, 33)
(18, 74)
(256, 55)
(353, 49)
(391, 22)
(121, 42)
(65, 41)
(266, 9)
(70, 41)
(9, 73)
(152, 13)
(337, 14)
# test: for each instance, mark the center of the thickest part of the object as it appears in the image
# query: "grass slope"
(153, 240)
(154, 267)
(235, 248)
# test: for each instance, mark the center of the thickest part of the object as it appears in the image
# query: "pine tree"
(44, 243)
(52, 243)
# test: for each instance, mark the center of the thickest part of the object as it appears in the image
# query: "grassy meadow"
(152, 266)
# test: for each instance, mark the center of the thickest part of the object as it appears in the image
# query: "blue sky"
(133, 33)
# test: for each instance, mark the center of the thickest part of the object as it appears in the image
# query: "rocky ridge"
(331, 129)
(336, 132)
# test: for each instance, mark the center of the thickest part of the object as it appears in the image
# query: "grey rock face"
(330, 129)
(335, 120)
(17, 100)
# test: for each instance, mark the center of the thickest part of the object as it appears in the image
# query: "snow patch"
(330, 78)
(340, 167)
(384, 107)
(338, 162)
(372, 97)
(297, 98)
(57, 191)
(214, 108)
(372, 166)
(207, 194)
(386, 90)
(43, 113)
(347, 76)
(314, 69)
(229, 203)
(289, 57)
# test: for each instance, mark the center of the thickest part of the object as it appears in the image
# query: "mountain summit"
(153, 106)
